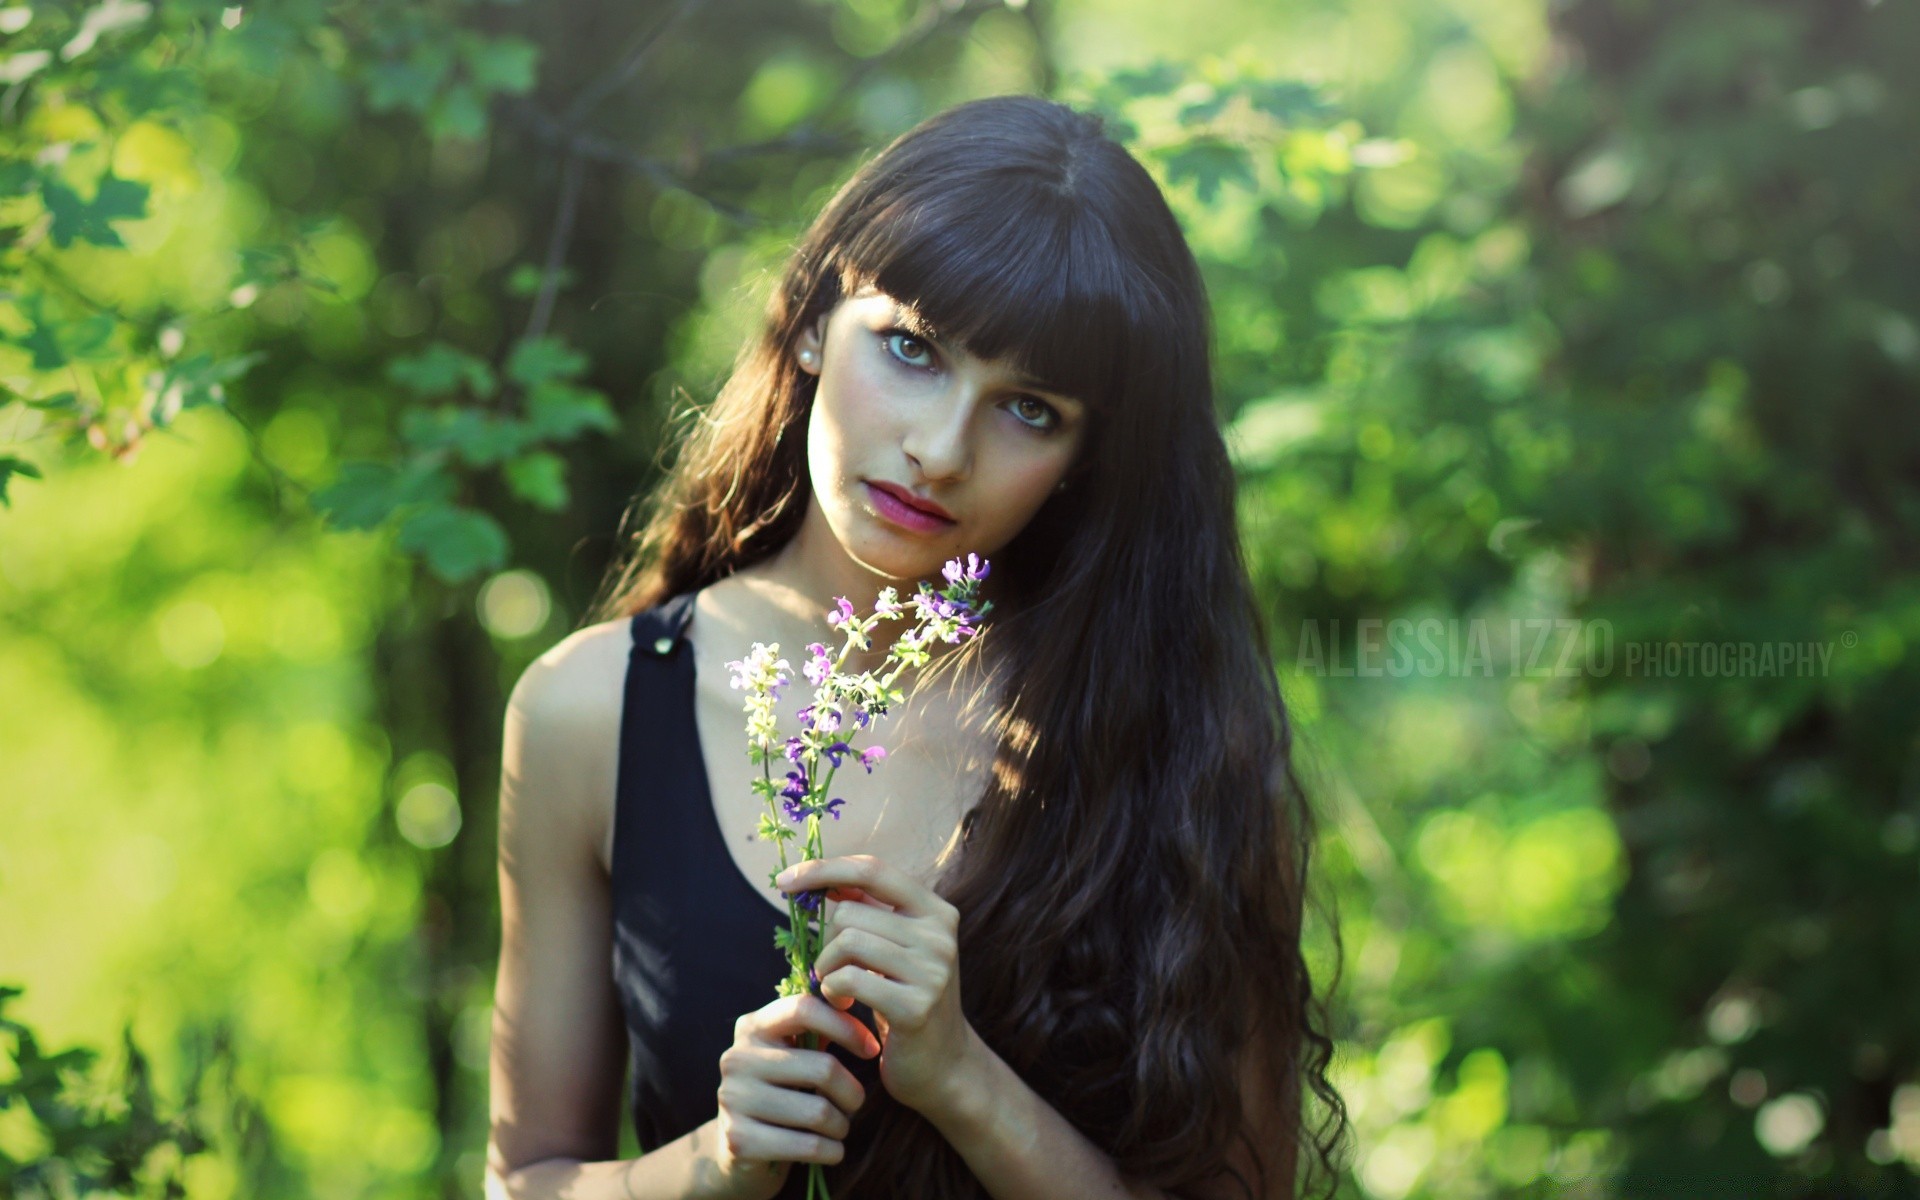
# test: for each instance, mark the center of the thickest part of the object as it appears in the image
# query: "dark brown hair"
(1132, 883)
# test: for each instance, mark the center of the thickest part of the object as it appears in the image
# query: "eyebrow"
(910, 320)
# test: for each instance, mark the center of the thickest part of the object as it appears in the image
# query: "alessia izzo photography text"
(1542, 647)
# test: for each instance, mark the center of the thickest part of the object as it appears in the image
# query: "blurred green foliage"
(1544, 332)
(96, 1135)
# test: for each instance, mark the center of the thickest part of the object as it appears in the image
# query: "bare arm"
(1019, 1146)
(559, 1039)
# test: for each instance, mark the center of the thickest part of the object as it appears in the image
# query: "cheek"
(846, 419)
(1026, 479)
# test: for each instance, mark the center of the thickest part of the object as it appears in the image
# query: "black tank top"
(693, 946)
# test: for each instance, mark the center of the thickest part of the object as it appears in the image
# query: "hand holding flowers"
(892, 944)
(896, 940)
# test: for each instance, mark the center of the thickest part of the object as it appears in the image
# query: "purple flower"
(796, 811)
(813, 982)
(972, 570)
(796, 788)
(834, 752)
(842, 614)
(809, 901)
(860, 717)
(796, 749)
(806, 716)
(832, 807)
(871, 756)
(819, 666)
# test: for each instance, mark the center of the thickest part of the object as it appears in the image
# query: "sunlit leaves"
(193, 381)
(540, 479)
(365, 494)
(458, 543)
(11, 466)
(507, 64)
(560, 412)
(440, 370)
(538, 360)
(74, 219)
(1208, 164)
(88, 1135)
(476, 436)
(447, 76)
(410, 82)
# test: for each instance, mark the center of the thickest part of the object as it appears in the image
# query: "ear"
(811, 338)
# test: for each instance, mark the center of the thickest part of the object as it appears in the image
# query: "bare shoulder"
(581, 672)
(563, 730)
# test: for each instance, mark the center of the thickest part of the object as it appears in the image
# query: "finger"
(870, 950)
(871, 875)
(843, 895)
(789, 1067)
(894, 926)
(790, 1108)
(791, 1016)
(757, 1141)
(897, 1003)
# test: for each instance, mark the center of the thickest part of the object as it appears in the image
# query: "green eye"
(1048, 419)
(887, 338)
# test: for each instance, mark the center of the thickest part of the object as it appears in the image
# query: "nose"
(939, 439)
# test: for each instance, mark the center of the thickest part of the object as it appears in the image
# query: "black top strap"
(661, 629)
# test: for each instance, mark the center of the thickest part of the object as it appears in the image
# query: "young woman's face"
(916, 415)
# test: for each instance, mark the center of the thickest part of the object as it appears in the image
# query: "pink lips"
(891, 506)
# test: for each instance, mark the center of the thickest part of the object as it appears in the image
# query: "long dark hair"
(1132, 882)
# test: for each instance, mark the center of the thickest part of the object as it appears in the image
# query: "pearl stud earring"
(806, 358)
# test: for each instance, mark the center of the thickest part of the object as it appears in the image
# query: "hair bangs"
(1048, 295)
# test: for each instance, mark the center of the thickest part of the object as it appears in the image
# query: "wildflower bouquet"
(843, 708)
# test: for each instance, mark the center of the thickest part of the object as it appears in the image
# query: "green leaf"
(44, 342)
(11, 466)
(55, 343)
(88, 337)
(1205, 110)
(480, 438)
(1155, 79)
(441, 369)
(525, 280)
(1289, 100)
(506, 64)
(458, 543)
(558, 412)
(1209, 163)
(534, 361)
(540, 479)
(411, 83)
(365, 494)
(75, 219)
(200, 377)
(460, 112)
(18, 177)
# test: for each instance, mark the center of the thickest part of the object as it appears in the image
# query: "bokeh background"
(335, 338)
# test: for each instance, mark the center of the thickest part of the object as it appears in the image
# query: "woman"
(1065, 958)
